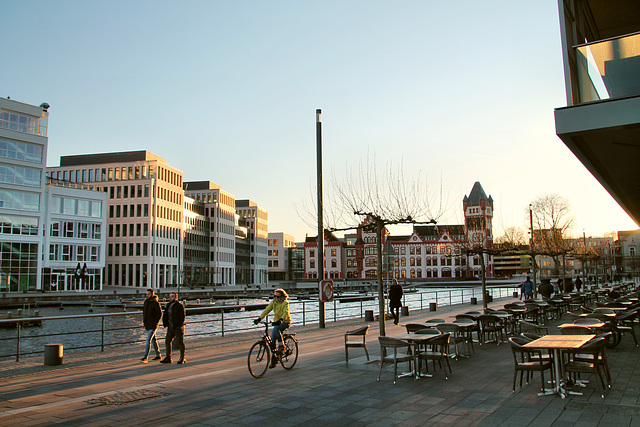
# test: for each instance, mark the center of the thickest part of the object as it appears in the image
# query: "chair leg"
(381, 365)
(346, 353)
(515, 375)
(366, 352)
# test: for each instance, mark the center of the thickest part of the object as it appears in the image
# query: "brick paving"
(215, 388)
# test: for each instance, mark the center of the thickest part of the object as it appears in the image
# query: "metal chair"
(388, 343)
(356, 338)
(527, 360)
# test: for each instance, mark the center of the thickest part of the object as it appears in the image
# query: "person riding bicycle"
(281, 319)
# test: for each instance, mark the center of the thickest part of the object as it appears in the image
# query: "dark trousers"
(395, 312)
(176, 334)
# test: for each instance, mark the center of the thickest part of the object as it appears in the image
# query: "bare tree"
(552, 222)
(371, 200)
(512, 237)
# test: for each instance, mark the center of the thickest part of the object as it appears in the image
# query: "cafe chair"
(490, 325)
(413, 327)
(593, 349)
(356, 338)
(586, 321)
(389, 348)
(533, 327)
(457, 337)
(624, 324)
(438, 351)
(527, 360)
(602, 357)
(576, 330)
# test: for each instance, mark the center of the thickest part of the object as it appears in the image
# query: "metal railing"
(106, 330)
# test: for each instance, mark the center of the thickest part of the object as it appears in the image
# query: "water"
(126, 329)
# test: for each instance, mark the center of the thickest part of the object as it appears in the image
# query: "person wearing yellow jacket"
(281, 319)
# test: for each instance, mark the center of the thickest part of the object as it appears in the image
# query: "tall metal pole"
(533, 254)
(320, 222)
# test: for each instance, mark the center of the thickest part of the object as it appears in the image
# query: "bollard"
(516, 294)
(53, 354)
(368, 315)
(405, 310)
(433, 306)
(474, 301)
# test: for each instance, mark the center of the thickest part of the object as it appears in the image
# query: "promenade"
(215, 388)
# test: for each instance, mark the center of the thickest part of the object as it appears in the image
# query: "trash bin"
(53, 354)
(405, 310)
(368, 315)
(433, 306)
(515, 294)
(474, 301)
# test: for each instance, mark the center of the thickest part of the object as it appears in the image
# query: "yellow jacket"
(280, 311)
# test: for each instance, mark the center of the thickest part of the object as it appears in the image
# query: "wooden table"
(557, 343)
(416, 340)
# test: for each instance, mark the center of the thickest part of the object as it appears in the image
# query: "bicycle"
(260, 353)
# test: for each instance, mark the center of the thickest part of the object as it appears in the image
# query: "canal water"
(121, 328)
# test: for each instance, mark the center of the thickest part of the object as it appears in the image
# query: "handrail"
(605, 40)
(414, 300)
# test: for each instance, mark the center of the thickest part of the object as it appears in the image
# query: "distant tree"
(368, 199)
(512, 237)
(552, 222)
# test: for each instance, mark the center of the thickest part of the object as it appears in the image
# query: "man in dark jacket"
(151, 315)
(395, 300)
(173, 319)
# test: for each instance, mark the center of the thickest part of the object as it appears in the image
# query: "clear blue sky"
(226, 91)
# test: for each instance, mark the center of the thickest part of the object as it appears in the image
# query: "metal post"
(102, 335)
(304, 313)
(320, 257)
(335, 318)
(18, 343)
(222, 320)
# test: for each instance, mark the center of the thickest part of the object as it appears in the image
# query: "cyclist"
(281, 319)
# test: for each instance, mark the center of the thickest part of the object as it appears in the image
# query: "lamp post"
(321, 322)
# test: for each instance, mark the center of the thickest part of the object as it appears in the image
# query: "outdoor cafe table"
(557, 343)
(592, 326)
(415, 340)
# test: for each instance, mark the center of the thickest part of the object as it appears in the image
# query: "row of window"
(120, 249)
(128, 191)
(75, 229)
(130, 230)
(124, 211)
(104, 174)
(22, 123)
(79, 253)
(19, 200)
(77, 207)
(19, 175)
(21, 225)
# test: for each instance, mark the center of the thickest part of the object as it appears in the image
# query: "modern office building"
(220, 211)
(278, 255)
(196, 243)
(23, 154)
(257, 220)
(145, 214)
(601, 122)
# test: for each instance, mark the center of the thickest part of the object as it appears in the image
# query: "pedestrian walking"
(151, 315)
(527, 288)
(173, 319)
(395, 300)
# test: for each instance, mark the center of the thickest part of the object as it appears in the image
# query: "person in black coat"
(395, 300)
(173, 319)
(151, 315)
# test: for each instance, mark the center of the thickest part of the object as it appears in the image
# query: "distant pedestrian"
(151, 315)
(579, 284)
(395, 300)
(173, 319)
(527, 288)
(545, 289)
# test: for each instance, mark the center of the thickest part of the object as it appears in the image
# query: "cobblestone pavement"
(215, 388)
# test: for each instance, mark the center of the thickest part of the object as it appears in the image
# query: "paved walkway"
(215, 388)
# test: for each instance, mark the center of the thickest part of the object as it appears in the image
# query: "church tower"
(478, 215)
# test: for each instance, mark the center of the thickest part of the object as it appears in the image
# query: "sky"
(453, 92)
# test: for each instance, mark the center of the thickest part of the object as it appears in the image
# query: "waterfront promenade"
(215, 388)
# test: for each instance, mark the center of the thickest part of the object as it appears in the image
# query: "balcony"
(609, 69)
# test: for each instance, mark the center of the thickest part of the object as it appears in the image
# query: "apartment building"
(145, 214)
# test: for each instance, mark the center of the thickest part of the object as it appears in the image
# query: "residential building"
(601, 122)
(629, 243)
(220, 210)
(257, 220)
(23, 154)
(296, 262)
(145, 214)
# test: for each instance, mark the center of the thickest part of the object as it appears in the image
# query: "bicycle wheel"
(258, 360)
(290, 355)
